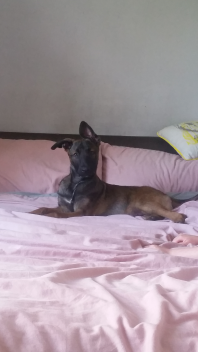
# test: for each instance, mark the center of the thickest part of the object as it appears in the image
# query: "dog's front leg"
(59, 214)
(56, 212)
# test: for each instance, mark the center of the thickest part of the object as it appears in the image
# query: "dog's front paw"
(180, 218)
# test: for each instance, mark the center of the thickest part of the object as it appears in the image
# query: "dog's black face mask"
(83, 153)
(83, 156)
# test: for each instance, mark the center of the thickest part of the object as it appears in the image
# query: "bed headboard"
(153, 143)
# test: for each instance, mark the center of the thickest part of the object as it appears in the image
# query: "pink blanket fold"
(92, 285)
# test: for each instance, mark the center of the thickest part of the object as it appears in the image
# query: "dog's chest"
(70, 196)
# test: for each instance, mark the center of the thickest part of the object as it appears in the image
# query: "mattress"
(93, 283)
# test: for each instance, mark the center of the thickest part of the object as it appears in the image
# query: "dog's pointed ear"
(86, 132)
(65, 143)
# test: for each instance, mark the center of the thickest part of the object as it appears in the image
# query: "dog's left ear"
(86, 132)
(65, 143)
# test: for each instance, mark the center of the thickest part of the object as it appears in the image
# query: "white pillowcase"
(183, 138)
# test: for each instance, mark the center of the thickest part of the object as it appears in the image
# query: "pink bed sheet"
(92, 285)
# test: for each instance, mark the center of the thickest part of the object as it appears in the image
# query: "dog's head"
(83, 153)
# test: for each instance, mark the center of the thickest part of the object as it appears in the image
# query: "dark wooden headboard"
(153, 143)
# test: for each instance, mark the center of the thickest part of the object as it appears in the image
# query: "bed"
(93, 283)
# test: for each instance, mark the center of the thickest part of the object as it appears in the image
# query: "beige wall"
(127, 67)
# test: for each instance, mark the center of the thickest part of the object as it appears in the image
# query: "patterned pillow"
(183, 138)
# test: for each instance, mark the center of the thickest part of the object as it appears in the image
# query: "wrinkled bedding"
(93, 284)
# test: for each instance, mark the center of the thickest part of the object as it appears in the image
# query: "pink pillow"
(31, 166)
(138, 167)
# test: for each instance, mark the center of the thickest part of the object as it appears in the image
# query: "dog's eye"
(75, 154)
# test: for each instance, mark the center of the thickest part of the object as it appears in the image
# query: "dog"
(82, 193)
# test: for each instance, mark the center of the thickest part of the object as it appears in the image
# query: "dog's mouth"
(86, 172)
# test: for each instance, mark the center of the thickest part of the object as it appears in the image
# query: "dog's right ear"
(86, 132)
(65, 143)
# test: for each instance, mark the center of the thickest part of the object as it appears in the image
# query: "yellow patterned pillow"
(183, 138)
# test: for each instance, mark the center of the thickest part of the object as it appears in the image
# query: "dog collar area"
(70, 201)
